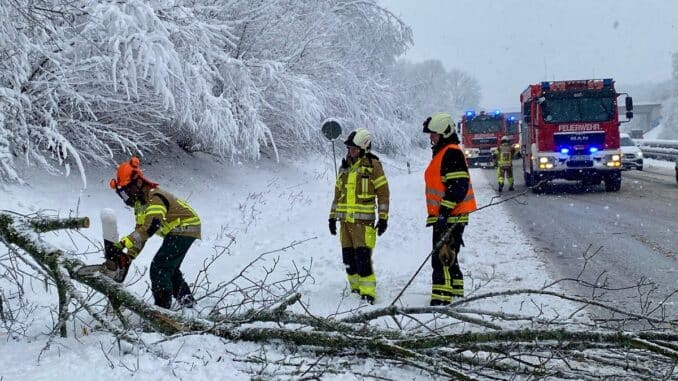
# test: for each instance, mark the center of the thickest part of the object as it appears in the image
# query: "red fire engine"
(513, 132)
(480, 136)
(571, 132)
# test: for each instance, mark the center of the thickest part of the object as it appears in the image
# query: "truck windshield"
(483, 126)
(627, 142)
(511, 127)
(594, 109)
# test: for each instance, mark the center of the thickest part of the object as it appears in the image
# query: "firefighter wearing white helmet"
(503, 157)
(449, 200)
(361, 187)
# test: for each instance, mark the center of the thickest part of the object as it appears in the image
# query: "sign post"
(331, 129)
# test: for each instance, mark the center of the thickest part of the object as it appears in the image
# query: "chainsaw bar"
(89, 270)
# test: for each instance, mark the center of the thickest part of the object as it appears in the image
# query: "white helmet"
(440, 123)
(359, 138)
(505, 139)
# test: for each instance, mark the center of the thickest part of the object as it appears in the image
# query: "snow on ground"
(263, 206)
(649, 163)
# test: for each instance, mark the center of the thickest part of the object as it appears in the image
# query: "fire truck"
(513, 132)
(570, 131)
(480, 136)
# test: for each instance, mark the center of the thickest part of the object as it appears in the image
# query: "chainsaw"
(117, 263)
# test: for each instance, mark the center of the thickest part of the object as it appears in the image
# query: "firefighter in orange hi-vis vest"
(449, 200)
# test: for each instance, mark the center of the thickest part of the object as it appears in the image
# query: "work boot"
(355, 291)
(368, 298)
(186, 301)
(511, 188)
(436, 302)
(163, 298)
(501, 187)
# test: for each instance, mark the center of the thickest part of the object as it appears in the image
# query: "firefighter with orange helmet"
(361, 187)
(504, 161)
(449, 200)
(156, 212)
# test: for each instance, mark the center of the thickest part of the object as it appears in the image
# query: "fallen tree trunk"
(487, 349)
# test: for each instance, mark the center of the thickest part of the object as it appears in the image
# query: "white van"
(632, 156)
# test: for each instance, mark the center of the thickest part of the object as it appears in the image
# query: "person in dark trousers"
(361, 187)
(156, 212)
(449, 200)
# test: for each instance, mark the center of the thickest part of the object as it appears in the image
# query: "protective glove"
(443, 213)
(381, 226)
(447, 255)
(333, 226)
(441, 223)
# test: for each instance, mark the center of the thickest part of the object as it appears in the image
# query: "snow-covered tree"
(82, 81)
(427, 87)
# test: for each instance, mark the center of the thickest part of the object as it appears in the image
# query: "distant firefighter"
(503, 158)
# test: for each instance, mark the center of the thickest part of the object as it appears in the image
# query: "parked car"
(632, 156)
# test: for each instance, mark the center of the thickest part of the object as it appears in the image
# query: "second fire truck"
(480, 136)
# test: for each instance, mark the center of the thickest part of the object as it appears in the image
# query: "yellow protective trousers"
(357, 242)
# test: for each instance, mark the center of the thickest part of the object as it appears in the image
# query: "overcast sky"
(508, 44)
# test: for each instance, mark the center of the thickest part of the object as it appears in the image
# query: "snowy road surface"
(636, 230)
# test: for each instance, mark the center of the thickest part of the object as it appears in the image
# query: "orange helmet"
(127, 172)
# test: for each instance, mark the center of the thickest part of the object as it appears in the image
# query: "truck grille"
(580, 163)
(492, 141)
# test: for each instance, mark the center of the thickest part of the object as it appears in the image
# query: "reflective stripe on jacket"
(504, 155)
(435, 190)
(162, 214)
(360, 188)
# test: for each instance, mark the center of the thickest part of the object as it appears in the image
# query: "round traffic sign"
(331, 129)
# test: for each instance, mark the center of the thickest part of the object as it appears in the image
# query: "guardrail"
(659, 149)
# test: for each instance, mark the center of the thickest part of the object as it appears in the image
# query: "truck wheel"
(538, 189)
(613, 183)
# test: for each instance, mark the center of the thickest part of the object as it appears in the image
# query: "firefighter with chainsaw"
(503, 158)
(156, 212)
(449, 200)
(361, 187)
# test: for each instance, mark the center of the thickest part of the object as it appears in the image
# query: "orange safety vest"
(435, 188)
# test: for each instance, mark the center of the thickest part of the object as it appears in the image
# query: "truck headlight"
(639, 155)
(612, 161)
(546, 162)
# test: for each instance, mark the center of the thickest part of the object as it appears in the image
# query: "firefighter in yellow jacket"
(503, 158)
(156, 212)
(361, 187)
(449, 200)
